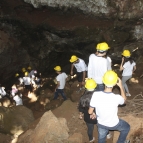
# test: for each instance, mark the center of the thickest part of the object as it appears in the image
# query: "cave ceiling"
(45, 33)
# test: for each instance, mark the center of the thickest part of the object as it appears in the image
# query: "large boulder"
(15, 120)
(49, 129)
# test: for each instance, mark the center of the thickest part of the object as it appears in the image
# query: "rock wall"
(124, 9)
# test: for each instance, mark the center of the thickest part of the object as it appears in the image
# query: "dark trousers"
(100, 87)
(59, 91)
(90, 128)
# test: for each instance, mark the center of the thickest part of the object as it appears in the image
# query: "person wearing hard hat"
(98, 65)
(128, 66)
(61, 81)
(105, 103)
(81, 69)
(84, 102)
(2, 92)
(27, 82)
(20, 79)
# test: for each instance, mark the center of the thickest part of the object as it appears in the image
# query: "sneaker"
(129, 94)
(92, 140)
(127, 141)
(109, 136)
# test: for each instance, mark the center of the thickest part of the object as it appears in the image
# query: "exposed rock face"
(49, 129)
(108, 8)
(15, 120)
(44, 45)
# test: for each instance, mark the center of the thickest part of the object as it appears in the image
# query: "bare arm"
(92, 113)
(134, 68)
(121, 66)
(58, 84)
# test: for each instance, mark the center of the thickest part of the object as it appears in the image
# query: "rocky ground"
(70, 111)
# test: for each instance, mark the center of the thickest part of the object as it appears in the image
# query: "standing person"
(98, 65)
(106, 105)
(18, 99)
(128, 66)
(81, 69)
(61, 81)
(84, 103)
(27, 82)
(2, 92)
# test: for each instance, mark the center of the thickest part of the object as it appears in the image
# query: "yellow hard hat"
(29, 68)
(126, 53)
(102, 47)
(23, 69)
(90, 84)
(73, 58)
(16, 75)
(110, 78)
(26, 73)
(57, 68)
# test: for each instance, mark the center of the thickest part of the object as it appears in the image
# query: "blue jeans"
(59, 91)
(90, 128)
(123, 127)
(100, 87)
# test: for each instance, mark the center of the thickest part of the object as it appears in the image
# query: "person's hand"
(83, 83)
(92, 116)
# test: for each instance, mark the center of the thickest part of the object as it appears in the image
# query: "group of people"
(98, 103)
(28, 78)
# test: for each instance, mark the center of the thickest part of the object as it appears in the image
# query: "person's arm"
(90, 71)
(119, 83)
(58, 84)
(92, 113)
(121, 66)
(72, 66)
(134, 68)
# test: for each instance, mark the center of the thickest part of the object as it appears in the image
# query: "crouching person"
(61, 80)
(106, 105)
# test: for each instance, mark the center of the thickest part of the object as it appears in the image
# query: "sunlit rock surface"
(49, 129)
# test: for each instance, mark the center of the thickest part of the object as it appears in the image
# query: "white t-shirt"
(106, 106)
(128, 68)
(97, 67)
(18, 100)
(32, 74)
(109, 61)
(2, 91)
(20, 80)
(81, 66)
(27, 80)
(62, 79)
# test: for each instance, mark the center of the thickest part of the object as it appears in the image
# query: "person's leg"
(124, 79)
(61, 91)
(56, 94)
(102, 132)
(124, 129)
(90, 128)
(80, 79)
